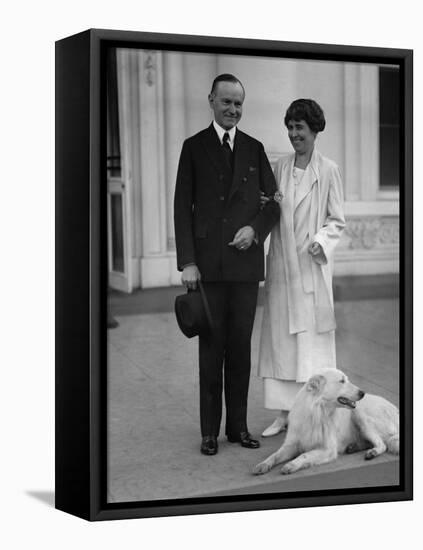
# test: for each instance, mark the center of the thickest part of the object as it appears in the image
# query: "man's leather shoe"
(209, 445)
(245, 439)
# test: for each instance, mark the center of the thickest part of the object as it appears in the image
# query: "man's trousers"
(225, 358)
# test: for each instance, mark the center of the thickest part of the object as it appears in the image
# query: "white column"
(369, 129)
(175, 132)
(153, 262)
(152, 153)
(352, 133)
(361, 131)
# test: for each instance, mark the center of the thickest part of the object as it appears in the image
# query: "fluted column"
(175, 132)
(369, 125)
(146, 145)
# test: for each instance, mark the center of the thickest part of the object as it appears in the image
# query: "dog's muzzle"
(346, 402)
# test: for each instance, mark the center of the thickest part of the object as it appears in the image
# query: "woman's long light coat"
(298, 288)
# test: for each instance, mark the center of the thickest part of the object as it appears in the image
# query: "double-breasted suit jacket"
(212, 203)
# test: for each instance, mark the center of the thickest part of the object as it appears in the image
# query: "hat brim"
(193, 314)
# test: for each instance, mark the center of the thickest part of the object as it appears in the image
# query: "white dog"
(331, 416)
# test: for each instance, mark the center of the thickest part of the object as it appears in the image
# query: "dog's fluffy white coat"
(332, 416)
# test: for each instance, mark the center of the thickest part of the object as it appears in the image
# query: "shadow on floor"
(46, 497)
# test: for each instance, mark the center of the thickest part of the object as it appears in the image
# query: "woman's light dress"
(293, 344)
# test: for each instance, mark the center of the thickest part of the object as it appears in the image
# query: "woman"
(298, 330)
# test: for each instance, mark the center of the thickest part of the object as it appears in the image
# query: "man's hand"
(263, 200)
(243, 238)
(190, 276)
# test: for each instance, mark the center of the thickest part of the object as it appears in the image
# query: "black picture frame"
(81, 277)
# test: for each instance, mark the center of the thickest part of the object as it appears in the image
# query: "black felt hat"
(193, 313)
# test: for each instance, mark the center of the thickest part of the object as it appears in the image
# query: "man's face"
(226, 102)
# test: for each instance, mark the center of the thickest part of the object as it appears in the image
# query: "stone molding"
(371, 232)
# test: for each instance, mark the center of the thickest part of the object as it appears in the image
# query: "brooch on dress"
(276, 197)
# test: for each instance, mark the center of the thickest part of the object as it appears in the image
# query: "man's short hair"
(226, 77)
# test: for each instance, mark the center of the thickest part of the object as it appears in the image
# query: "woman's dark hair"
(308, 110)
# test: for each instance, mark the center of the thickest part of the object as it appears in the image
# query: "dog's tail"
(393, 444)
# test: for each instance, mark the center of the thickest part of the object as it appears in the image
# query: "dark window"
(389, 127)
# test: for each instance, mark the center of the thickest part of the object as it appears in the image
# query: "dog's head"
(333, 386)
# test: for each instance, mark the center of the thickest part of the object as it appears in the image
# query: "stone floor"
(153, 418)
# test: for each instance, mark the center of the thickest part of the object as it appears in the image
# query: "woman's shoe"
(278, 425)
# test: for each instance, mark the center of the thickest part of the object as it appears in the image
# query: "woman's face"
(301, 137)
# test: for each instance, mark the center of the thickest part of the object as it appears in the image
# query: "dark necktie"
(227, 149)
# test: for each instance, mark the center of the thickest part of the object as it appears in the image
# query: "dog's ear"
(315, 383)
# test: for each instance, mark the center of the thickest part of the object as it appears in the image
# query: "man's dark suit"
(211, 205)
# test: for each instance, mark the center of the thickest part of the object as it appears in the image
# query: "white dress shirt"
(221, 132)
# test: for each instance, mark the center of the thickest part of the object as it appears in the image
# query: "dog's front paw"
(288, 468)
(371, 453)
(261, 468)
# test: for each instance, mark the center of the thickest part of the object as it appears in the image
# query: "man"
(220, 229)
